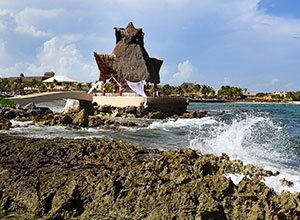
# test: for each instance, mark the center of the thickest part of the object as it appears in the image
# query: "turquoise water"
(267, 135)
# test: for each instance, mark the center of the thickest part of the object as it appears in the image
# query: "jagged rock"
(131, 110)
(286, 182)
(66, 120)
(81, 119)
(4, 123)
(104, 108)
(100, 179)
(11, 113)
(95, 121)
(156, 115)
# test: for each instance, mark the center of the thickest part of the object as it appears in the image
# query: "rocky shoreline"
(98, 179)
(105, 116)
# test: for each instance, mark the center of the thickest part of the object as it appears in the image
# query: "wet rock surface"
(106, 116)
(98, 179)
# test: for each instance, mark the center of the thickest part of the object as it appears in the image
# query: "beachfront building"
(129, 62)
(24, 78)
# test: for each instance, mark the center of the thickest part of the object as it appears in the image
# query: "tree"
(79, 86)
(207, 90)
(166, 89)
(230, 92)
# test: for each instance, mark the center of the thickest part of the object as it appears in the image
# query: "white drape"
(138, 87)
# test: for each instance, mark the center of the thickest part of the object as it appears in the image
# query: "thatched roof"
(129, 59)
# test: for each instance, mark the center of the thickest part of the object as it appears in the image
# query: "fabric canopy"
(59, 79)
(138, 87)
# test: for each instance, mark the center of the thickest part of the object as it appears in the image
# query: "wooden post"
(104, 87)
(120, 89)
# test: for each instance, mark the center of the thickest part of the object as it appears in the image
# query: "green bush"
(6, 102)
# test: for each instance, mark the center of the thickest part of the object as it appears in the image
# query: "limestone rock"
(4, 123)
(100, 179)
(81, 119)
(71, 106)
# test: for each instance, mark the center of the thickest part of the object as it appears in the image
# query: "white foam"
(20, 123)
(236, 178)
(171, 123)
(255, 140)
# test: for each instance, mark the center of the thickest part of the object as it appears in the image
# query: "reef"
(99, 179)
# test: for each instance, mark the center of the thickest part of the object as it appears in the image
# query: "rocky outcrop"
(95, 179)
(25, 113)
(140, 112)
(4, 123)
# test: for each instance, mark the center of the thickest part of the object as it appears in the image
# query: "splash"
(253, 139)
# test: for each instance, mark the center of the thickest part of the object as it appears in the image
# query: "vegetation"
(6, 102)
(202, 91)
(231, 92)
(295, 96)
(20, 87)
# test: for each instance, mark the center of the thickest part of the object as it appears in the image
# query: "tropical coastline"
(204, 125)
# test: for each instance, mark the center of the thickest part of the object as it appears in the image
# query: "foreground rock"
(4, 123)
(95, 179)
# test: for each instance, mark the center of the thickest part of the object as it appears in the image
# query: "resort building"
(129, 62)
(24, 78)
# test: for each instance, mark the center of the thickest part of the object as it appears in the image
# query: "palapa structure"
(129, 59)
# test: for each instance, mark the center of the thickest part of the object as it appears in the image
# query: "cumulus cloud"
(28, 19)
(32, 30)
(185, 70)
(61, 55)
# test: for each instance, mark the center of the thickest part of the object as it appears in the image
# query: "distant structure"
(129, 60)
(24, 78)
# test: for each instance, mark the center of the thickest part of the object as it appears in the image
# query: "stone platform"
(164, 104)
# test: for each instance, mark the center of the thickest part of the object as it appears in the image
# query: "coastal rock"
(81, 119)
(131, 110)
(29, 106)
(286, 182)
(104, 108)
(4, 123)
(71, 106)
(195, 114)
(156, 115)
(100, 179)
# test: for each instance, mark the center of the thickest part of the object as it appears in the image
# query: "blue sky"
(247, 43)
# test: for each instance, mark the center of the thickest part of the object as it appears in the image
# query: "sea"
(263, 134)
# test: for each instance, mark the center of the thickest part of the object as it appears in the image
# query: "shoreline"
(83, 179)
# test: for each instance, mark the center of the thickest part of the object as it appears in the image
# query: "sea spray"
(253, 139)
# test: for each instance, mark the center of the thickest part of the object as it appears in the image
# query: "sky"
(253, 44)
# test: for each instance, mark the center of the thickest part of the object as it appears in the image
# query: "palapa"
(129, 59)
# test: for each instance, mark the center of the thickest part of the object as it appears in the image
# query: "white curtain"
(138, 87)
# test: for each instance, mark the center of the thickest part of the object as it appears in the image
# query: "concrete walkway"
(51, 96)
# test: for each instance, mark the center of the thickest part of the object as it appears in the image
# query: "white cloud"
(185, 69)
(32, 30)
(60, 55)
(28, 19)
